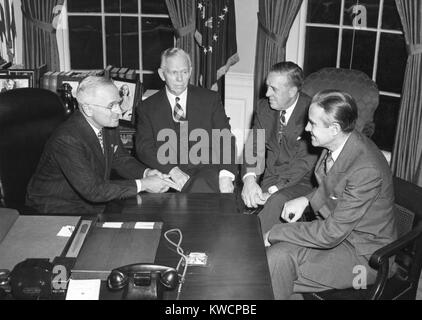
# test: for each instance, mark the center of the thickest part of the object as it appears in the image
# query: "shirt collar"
(290, 110)
(336, 153)
(96, 130)
(172, 99)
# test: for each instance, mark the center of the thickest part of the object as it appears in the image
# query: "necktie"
(329, 161)
(100, 139)
(178, 113)
(282, 125)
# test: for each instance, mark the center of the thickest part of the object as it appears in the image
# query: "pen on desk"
(79, 238)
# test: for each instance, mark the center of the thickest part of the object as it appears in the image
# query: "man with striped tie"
(191, 115)
(353, 203)
(290, 157)
(73, 175)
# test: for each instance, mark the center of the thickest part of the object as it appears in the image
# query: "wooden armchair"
(407, 250)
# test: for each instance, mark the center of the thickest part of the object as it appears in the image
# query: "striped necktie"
(178, 113)
(100, 139)
(329, 162)
(282, 122)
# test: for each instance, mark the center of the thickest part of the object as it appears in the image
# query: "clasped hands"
(155, 182)
(252, 194)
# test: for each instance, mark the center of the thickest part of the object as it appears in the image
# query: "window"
(121, 33)
(378, 49)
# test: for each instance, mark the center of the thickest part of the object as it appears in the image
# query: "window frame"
(379, 31)
(63, 37)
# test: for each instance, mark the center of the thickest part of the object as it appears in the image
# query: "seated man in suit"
(286, 157)
(73, 175)
(354, 204)
(191, 119)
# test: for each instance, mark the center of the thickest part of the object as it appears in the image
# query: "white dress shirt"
(182, 102)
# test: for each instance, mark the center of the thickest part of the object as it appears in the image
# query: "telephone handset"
(143, 281)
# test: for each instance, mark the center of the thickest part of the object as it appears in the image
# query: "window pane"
(86, 47)
(321, 48)
(157, 35)
(84, 5)
(122, 42)
(152, 81)
(372, 12)
(385, 119)
(363, 51)
(323, 11)
(390, 16)
(154, 6)
(392, 63)
(121, 6)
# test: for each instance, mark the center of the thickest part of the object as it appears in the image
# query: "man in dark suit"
(73, 175)
(179, 131)
(353, 203)
(286, 157)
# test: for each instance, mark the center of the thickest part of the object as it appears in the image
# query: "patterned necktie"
(100, 139)
(178, 113)
(282, 125)
(329, 161)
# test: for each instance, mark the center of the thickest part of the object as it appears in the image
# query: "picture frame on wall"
(130, 91)
(10, 82)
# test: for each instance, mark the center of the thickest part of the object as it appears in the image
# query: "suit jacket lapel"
(92, 140)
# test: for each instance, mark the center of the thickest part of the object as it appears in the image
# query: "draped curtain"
(407, 153)
(275, 18)
(183, 15)
(39, 36)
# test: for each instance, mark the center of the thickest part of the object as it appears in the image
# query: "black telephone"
(142, 281)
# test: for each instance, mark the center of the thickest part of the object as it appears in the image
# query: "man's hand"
(226, 185)
(293, 209)
(179, 177)
(252, 194)
(154, 184)
(155, 172)
(266, 242)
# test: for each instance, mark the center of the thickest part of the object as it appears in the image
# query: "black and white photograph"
(267, 150)
(129, 93)
(10, 82)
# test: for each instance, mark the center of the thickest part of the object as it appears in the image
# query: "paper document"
(83, 289)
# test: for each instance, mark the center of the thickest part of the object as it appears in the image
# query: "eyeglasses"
(114, 106)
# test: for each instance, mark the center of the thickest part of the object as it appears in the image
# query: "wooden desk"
(177, 203)
(237, 267)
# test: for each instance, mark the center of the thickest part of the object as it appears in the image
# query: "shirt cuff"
(272, 189)
(146, 172)
(249, 174)
(226, 173)
(138, 185)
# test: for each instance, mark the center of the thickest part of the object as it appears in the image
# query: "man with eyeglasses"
(73, 175)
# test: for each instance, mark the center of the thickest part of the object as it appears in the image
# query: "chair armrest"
(382, 255)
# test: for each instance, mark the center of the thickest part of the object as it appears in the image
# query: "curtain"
(182, 14)
(7, 31)
(39, 35)
(275, 18)
(407, 152)
(216, 37)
